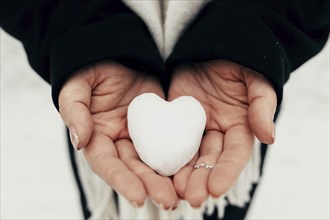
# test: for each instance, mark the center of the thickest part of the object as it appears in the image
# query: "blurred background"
(36, 177)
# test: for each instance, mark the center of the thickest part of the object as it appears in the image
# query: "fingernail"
(74, 137)
(135, 204)
(274, 133)
(175, 205)
(159, 205)
(172, 208)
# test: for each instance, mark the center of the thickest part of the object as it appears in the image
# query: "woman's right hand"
(93, 104)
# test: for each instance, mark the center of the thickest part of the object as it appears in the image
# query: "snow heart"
(166, 135)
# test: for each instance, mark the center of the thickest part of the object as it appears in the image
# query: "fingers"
(238, 145)
(74, 101)
(211, 147)
(159, 188)
(262, 101)
(102, 156)
(181, 178)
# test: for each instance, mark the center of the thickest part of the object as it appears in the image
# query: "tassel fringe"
(102, 205)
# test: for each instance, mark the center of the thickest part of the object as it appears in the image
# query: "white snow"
(167, 148)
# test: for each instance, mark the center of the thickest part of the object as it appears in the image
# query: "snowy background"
(36, 178)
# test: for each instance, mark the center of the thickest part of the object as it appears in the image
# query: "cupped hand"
(93, 104)
(239, 104)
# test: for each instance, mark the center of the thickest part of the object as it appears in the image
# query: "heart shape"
(166, 135)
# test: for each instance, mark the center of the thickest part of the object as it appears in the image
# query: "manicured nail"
(135, 204)
(159, 205)
(172, 208)
(274, 133)
(74, 137)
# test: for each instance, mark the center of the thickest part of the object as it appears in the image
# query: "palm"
(115, 87)
(223, 93)
(227, 92)
(95, 101)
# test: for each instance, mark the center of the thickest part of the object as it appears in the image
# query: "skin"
(239, 105)
(94, 102)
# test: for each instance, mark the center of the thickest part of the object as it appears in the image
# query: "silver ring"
(206, 166)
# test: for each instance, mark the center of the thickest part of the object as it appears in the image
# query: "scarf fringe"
(101, 203)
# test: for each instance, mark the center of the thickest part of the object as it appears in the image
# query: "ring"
(206, 166)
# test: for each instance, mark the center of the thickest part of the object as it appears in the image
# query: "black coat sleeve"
(62, 36)
(273, 37)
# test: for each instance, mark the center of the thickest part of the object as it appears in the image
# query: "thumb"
(262, 106)
(74, 103)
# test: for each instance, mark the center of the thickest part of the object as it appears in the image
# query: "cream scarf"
(166, 19)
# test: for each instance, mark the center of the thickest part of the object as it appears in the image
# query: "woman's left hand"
(239, 103)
